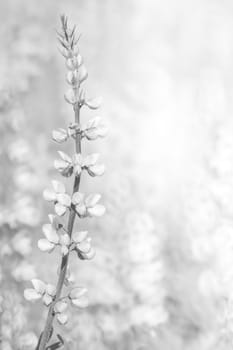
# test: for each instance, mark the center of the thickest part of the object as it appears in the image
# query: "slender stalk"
(64, 262)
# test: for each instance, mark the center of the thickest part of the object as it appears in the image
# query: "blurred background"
(162, 277)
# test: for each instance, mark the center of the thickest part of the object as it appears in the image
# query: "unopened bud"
(72, 78)
(82, 74)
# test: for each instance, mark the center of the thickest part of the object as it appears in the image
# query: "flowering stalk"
(56, 235)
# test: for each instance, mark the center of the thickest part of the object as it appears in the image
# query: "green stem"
(64, 263)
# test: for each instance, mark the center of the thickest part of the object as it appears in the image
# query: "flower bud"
(82, 74)
(72, 78)
(74, 63)
(70, 97)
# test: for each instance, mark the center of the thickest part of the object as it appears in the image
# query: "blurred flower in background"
(162, 276)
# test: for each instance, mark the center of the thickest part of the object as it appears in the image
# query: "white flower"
(78, 297)
(59, 309)
(60, 135)
(24, 271)
(87, 207)
(83, 246)
(48, 244)
(57, 195)
(89, 164)
(41, 290)
(94, 103)
(22, 243)
(93, 169)
(94, 129)
(64, 165)
(54, 220)
(64, 242)
(52, 240)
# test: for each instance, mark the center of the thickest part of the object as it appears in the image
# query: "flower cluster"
(68, 165)
(40, 290)
(80, 242)
(87, 206)
(59, 196)
(84, 205)
(92, 130)
(77, 297)
(57, 234)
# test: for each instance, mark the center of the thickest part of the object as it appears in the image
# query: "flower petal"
(62, 318)
(78, 159)
(38, 285)
(54, 220)
(81, 303)
(31, 294)
(50, 233)
(60, 165)
(91, 159)
(77, 169)
(82, 73)
(93, 123)
(60, 306)
(72, 77)
(64, 239)
(64, 199)
(96, 170)
(77, 292)
(70, 97)
(60, 209)
(49, 195)
(77, 198)
(94, 103)
(88, 256)
(84, 246)
(45, 246)
(51, 289)
(81, 209)
(47, 299)
(92, 199)
(97, 210)
(64, 250)
(78, 237)
(60, 135)
(65, 157)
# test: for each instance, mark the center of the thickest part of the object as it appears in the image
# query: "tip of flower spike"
(67, 36)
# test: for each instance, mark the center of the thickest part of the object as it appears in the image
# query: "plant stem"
(64, 263)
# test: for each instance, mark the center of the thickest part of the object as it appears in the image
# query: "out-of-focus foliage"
(162, 276)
